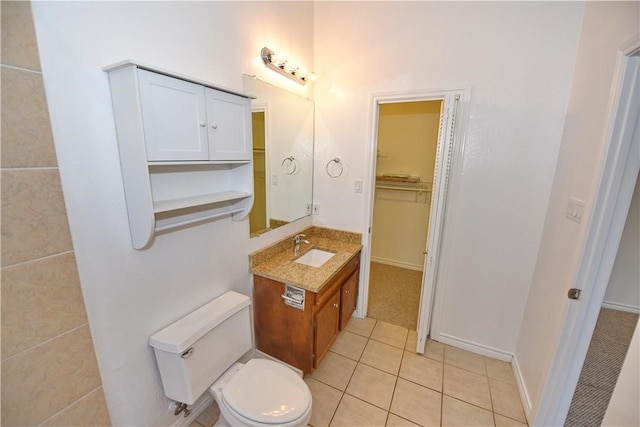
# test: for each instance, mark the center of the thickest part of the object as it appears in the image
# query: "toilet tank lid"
(178, 336)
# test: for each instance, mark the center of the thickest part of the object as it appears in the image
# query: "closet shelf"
(200, 200)
(397, 178)
(402, 184)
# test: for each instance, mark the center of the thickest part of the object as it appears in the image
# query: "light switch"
(274, 180)
(575, 209)
(358, 186)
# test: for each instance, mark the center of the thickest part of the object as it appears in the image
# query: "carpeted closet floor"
(608, 348)
(394, 295)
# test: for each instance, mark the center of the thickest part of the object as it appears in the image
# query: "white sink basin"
(315, 257)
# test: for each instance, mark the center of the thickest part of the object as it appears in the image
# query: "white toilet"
(201, 351)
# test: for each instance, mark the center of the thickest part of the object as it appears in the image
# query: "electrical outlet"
(316, 209)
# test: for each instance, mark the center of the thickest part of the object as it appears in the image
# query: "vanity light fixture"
(284, 66)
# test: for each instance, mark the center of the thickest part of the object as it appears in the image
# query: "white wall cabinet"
(188, 121)
(185, 149)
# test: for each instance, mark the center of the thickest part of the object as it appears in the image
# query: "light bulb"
(277, 60)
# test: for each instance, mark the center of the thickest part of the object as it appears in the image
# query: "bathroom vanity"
(298, 309)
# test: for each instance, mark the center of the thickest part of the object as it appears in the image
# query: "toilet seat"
(232, 418)
(264, 392)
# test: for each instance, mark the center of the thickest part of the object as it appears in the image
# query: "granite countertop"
(277, 260)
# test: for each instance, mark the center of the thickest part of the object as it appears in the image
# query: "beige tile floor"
(373, 377)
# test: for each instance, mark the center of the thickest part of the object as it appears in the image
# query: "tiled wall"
(49, 370)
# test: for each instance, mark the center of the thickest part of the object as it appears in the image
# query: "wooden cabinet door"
(174, 116)
(327, 319)
(229, 126)
(282, 331)
(349, 297)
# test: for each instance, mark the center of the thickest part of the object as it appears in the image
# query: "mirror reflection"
(282, 155)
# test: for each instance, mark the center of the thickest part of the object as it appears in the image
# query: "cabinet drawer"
(326, 293)
(338, 279)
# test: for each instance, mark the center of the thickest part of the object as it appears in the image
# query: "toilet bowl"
(262, 393)
(201, 352)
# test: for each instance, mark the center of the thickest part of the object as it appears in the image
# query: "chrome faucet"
(297, 239)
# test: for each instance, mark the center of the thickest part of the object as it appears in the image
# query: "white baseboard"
(475, 347)
(524, 395)
(394, 263)
(196, 409)
(495, 354)
(621, 307)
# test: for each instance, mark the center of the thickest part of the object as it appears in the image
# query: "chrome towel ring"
(336, 168)
(289, 165)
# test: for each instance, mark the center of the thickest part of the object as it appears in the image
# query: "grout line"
(29, 168)
(45, 342)
(13, 67)
(489, 385)
(18, 264)
(395, 387)
(71, 404)
(471, 404)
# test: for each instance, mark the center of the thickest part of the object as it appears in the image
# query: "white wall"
(517, 58)
(623, 406)
(623, 291)
(131, 294)
(606, 27)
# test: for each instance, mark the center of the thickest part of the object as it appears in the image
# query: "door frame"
(258, 106)
(616, 182)
(449, 149)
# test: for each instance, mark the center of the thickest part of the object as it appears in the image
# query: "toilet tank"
(195, 350)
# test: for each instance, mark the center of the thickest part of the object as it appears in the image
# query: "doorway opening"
(614, 329)
(406, 158)
(424, 191)
(617, 180)
(258, 217)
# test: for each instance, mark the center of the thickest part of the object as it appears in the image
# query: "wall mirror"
(282, 155)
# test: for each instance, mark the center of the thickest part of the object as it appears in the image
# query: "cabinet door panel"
(229, 126)
(282, 331)
(174, 118)
(349, 298)
(327, 319)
